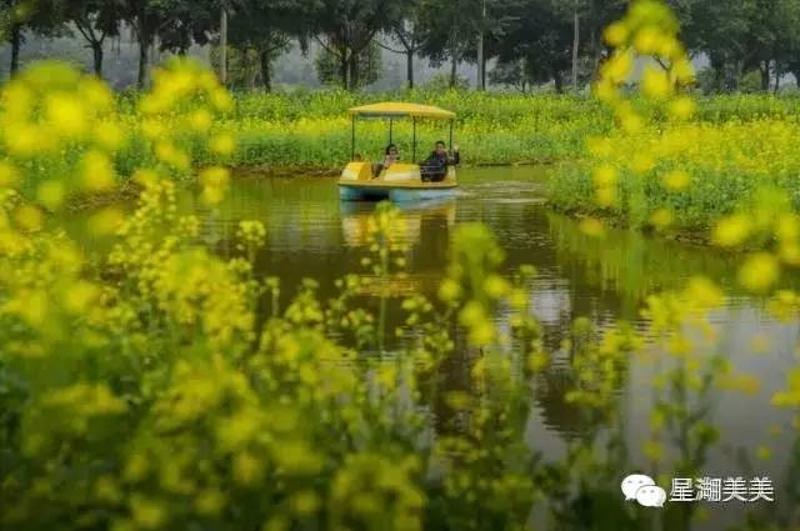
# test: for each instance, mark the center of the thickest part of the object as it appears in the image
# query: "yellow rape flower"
(201, 120)
(223, 144)
(759, 272)
(683, 71)
(606, 196)
(592, 227)
(148, 514)
(683, 108)
(655, 83)
(173, 156)
(215, 183)
(96, 94)
(449, 290)
(619, 66)
(616, 34)
(106, 221)
(648, 40)
(599, 147)
(51, 193)
(247, 469)
(153, 128)
(703, 293)
(9, 174)
(661, 218)
(676, 180)
(496, 286)
(642, 162)
(79, 296)
(109, 135)
(631, 121)
(209, 502)
(66, 114)
(605, 175)
(25, 139)
(98, 171)
(29, 218)
(222, 100)
(17, 100)
(732, 230)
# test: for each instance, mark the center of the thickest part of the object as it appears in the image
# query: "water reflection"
(418, 219)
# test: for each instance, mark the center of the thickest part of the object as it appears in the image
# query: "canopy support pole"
(391, 124)
(414, 139)
(353, 139)
(451, 135)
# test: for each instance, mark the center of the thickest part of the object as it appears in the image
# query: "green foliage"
(367, 65)
(443, 82)
(750, 82)
(346, 29)
(740, 36)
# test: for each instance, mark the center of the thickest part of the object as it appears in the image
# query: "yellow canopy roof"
(397, 109)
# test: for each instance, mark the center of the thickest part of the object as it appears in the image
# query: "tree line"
(529, 42)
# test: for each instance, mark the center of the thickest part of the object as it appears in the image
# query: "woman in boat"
(434, 168)
(390, 156)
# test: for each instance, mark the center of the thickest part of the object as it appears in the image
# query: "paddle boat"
(401, 182)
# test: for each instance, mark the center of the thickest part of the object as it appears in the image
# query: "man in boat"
(391, 155)
(434, 168)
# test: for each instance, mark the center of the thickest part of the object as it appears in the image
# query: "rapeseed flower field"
(162, 386)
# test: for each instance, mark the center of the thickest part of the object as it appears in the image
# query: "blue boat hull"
(398, 195)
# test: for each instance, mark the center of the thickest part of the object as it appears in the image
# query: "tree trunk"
(718, 67)
(410, 68)
(765, 78)
(253, 69)
(223, 44)
(97, 51)
(16, 44)
(559, 82)
(344, 68)
(143, 60)
(266, 74)
(481, 81)
(576, 41)
(453, 70)
(354, 73)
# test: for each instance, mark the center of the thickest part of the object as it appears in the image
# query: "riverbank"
(711, 166)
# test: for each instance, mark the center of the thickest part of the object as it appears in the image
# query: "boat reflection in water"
(356, 217)
(424, 229)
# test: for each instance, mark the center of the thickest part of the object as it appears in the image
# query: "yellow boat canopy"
(392, 109)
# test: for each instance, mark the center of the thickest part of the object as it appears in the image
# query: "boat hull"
(394, 194)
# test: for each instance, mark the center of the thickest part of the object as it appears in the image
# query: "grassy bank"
(312, 129)
(704, 171)
(732, 146)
